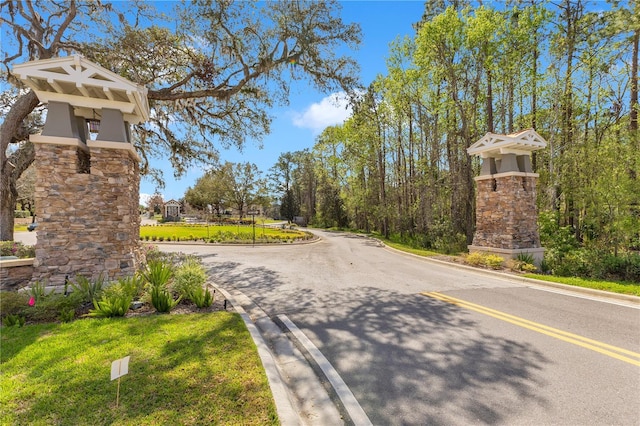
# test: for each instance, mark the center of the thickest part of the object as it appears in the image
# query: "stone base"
(536, 252)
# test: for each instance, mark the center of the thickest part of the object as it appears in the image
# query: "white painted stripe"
(355, 411)
(583, 296)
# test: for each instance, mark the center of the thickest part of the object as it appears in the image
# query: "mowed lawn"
(188, 369)
(220, 233)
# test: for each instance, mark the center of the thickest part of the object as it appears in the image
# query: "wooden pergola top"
(86, 86)
(520, 143)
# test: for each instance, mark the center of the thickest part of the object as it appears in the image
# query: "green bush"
(13, 302)
(133, 285)
(494, 261)
(157, 273)
(11, 320)
(89, 290)
(484, 259)
(201, 297)
(67, 315)
(50, 307)
(162, 300)
(475, 259)
(189, 277)
(525, 258)
(16, 248)
(115, 302)
(21, 214)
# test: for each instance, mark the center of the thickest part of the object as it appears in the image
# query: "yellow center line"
(600, 347)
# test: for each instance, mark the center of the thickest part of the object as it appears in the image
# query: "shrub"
(475, 259)
(67, 315)
(115, 302)
(13, 302)
(86, 288)
(201, 297)
(16, 248)
(162, 300)
(189, 277)
(133, 285)
(157, 273)
(484, 259)
(49, 308)
(494, 261)
(37, 291)
(11, 320)
(525, 258)
(521, 266)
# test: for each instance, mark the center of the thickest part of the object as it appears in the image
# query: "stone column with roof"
(87, 191)
(506, 212)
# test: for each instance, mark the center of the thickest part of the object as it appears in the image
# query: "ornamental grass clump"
(157, 275)
(115, 301)
(189, 277)
(201, 297)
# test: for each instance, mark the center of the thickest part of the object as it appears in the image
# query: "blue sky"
(296, 126)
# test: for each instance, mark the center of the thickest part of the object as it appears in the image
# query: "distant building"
(172, 211)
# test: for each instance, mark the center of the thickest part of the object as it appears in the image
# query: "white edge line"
(357, 414)
(583, 296)
(286, 413)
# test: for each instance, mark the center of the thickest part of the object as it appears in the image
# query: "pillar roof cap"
(496, 145)
(86, 86)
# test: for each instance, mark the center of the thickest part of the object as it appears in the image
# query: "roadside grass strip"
(594, 345)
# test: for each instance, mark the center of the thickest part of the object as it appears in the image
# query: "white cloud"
(144, 199)
(329, 111)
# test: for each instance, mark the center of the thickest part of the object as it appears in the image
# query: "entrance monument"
(506, 212)
(87, 191)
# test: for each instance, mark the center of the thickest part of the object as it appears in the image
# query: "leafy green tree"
(244, 185)
(210, 191)
(289, 207)
(213, 69)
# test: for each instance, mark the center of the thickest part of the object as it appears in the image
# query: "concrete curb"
(286, 413)
(587, 291)
(348, 402)
(299, 394)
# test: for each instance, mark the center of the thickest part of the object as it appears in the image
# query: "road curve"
(412, 358)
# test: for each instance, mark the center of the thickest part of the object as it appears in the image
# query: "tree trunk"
(12, 167)
(633, 123)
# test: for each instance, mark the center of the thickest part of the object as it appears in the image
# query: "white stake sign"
(119, 368)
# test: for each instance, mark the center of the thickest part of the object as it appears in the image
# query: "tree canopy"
(213, 69)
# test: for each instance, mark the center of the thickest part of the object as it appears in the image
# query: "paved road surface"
(415, 359)
(494, 351)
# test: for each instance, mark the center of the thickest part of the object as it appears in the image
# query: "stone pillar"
(506, 214)
(86, 198)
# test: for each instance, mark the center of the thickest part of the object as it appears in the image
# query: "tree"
(290, 207)
(212, 69)
(26, 188)
(155, 203)
(244, 185)
(210, 191)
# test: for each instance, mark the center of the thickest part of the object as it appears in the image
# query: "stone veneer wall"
(506, 212)
(15, 273)
(88, 222)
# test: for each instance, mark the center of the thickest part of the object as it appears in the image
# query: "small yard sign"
(119, 368)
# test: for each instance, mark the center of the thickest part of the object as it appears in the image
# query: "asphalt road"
(499, 352)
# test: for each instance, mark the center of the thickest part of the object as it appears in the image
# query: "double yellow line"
(603, 348)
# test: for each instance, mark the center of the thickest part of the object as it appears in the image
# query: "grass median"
(184, 369)
(220, 233)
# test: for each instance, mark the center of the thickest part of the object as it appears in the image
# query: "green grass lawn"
(189, 369)
(219, 233)
(613, 286)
